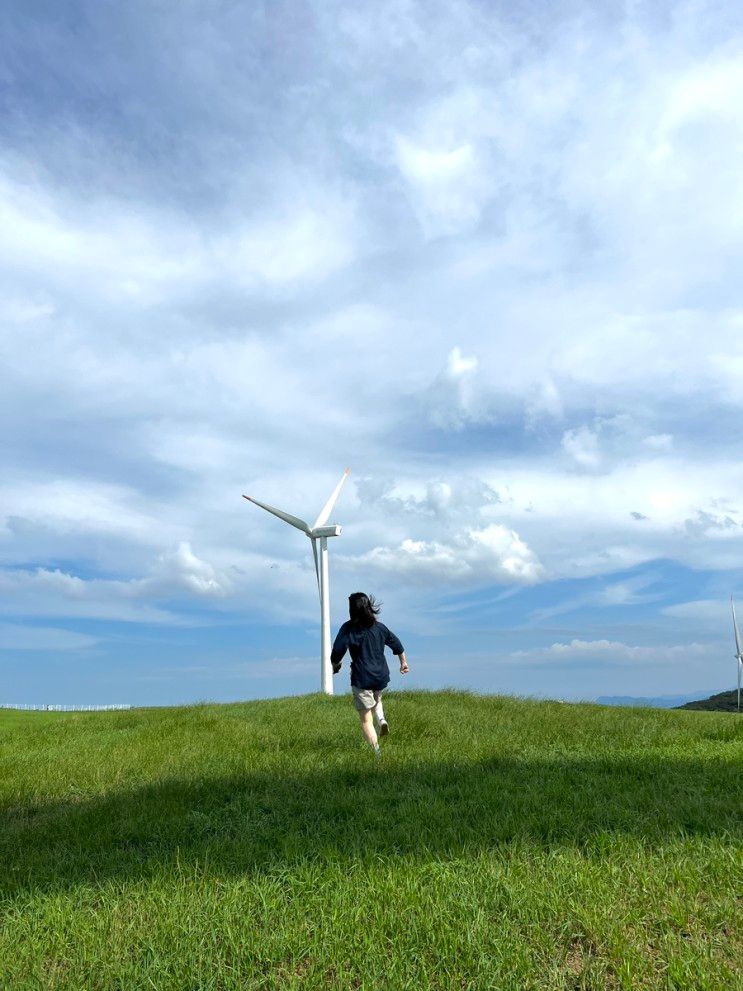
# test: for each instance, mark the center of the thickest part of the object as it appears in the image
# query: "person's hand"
(336, 668)
(404, 667)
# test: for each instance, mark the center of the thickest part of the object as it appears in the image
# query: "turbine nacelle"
(325, 531)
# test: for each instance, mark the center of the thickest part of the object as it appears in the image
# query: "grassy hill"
(722, 702)
(499, 844)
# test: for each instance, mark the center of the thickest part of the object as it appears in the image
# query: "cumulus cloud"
(455, 396)
(581, 525)
(493, 553)
(182, 569)
(582, 445)
(446, 498)
(42, 592)
(448, 185)
(56, 592)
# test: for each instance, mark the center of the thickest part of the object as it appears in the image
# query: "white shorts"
(365, 698)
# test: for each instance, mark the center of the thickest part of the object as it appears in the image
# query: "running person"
(365, 638)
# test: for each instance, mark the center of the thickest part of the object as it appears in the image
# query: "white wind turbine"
(738, 651)
(319, 532)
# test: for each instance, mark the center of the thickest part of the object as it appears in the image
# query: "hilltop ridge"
(722, 702)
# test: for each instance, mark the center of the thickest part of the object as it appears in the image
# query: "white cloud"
(80, 507)
(23, 311)
(57, 593)
(493, 553)
(450, 499)
(582, 444)
(458, 365)
(455, 396)
(543, 400)
(433, 166)
(45, 592)
(712, 525)
(714, 613)
(581, 525)
(124, 251)
(615, 652)
(659, 442)
(182, 569)
(306, 241)
(629, 592)
(447, 185)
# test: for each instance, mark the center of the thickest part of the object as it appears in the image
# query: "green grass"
(499, 844)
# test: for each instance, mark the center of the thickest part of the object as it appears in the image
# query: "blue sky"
(485, 254)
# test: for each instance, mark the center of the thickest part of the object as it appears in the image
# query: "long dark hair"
(363, 609)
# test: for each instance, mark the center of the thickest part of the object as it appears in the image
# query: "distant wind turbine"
(738, 652)
(319, 532)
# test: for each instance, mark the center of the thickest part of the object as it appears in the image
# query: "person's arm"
(339, 649)
(397, 648)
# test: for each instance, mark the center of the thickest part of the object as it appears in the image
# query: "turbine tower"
(738, 651)
(318, 533)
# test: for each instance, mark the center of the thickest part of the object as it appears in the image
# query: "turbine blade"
(317, 566)
(327, 509)
(286, 517)
(735, 627)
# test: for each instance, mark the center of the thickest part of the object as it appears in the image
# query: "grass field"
(499, 844)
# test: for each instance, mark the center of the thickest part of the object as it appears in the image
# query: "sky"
(487, 255)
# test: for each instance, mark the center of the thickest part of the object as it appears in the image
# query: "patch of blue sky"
(150, 664)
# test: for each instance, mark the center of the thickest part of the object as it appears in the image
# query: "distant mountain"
(654, 702)
(722, 702)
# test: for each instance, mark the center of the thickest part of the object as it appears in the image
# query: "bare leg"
(367, 728)
(379, 712)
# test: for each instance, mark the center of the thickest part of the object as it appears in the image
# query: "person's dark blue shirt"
(366, 646)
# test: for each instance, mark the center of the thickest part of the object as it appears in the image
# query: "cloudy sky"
(486, 254)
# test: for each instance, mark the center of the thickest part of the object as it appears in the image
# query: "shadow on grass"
(256, 822)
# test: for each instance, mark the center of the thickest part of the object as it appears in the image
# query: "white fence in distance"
(64, 708)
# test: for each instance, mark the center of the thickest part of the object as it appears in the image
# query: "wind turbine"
(318, 533)
(738, 651)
